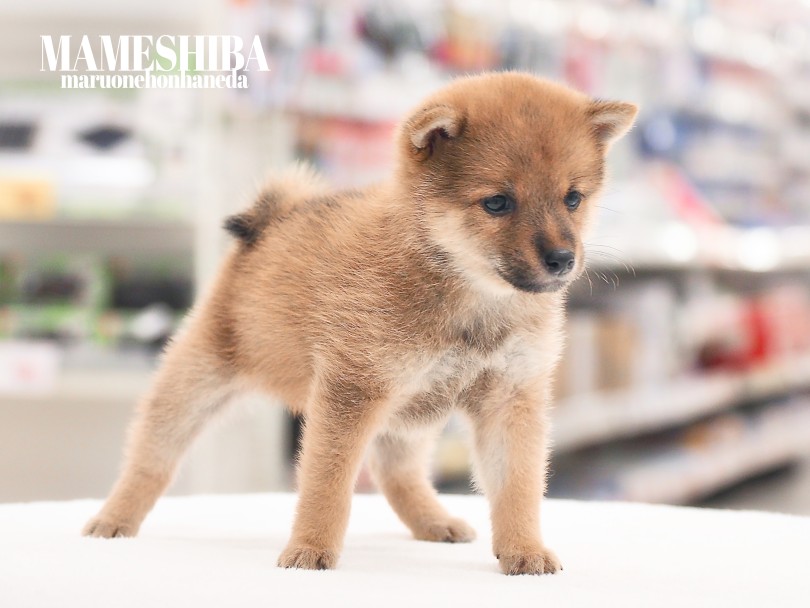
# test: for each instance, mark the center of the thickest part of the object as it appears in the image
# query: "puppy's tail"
(280, 195)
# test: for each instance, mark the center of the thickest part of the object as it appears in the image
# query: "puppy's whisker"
(610, 257)
(603, 245)
(609, 209)
(588, 276)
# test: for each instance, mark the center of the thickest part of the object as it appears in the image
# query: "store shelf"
(595, 418)
(699, 472)
(676, 246)
(113, 237)
(88, 386)
(98, 9)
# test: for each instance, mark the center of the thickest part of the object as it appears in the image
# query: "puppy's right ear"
(611, 119)
(428, 127)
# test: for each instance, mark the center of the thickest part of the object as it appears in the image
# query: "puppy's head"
(505, 168)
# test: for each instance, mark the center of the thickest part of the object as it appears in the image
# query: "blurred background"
(686, 377)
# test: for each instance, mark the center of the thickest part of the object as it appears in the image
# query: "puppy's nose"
(559, 261)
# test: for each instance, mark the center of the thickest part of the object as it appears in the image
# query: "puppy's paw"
(451, 530)
(307, 558)
(537, 561)
(101, 527)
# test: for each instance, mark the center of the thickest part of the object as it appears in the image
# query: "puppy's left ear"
(428, 127)
(611, 119)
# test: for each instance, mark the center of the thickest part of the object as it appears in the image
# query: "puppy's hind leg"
(190, 387)
(400, 466)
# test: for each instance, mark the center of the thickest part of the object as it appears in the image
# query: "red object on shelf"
(761, 340)
(769, 326)
(324, 61)
(686, 200)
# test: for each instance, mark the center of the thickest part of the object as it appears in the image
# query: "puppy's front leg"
(339, 425)
(510, 442)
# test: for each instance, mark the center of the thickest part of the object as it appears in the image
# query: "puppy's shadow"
(367, 549)
(242, 543)
(414, 555)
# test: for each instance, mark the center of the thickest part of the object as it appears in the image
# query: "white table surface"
(220, 551)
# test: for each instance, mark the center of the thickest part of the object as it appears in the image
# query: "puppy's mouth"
(525, 281)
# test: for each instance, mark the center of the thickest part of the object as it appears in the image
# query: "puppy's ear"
(427, 127)
(611, 119)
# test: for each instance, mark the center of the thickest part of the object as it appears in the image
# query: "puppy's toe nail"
(540, 561)
(451, 531)
(307, 558)
(101, 528)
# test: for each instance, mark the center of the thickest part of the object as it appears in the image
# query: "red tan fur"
(376, 313)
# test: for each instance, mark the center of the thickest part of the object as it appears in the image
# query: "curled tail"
(279, 196)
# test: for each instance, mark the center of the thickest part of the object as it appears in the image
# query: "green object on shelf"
(6, 288)
(51, 320)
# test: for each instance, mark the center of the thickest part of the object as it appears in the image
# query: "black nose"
(559, 261)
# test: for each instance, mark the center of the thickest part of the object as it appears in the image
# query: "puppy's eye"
(500, 204)
(573, 199)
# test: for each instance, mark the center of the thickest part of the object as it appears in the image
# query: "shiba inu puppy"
(376, 313)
